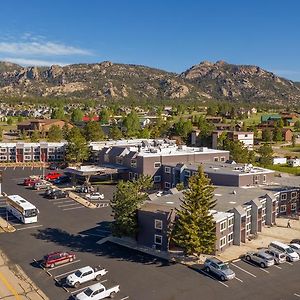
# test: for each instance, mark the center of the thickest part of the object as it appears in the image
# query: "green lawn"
(285, 169)
(254, 119)
(292, 149)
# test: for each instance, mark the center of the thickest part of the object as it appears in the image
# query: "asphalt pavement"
(140, 276)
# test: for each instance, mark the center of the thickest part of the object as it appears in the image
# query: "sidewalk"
(14, 283)
(6, 226)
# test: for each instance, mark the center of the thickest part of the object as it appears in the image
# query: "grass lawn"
(292, 149)
(285, 169)
(254, 119)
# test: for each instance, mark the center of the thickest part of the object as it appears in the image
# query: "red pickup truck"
(57, 258)
(30, 181)
(52, 176)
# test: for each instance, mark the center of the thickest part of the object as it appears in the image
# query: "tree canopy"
(55, 134)
(93, 132)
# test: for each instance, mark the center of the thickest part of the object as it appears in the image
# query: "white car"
(296, 248)
(97, 292)
(94, 196)
(84, 275)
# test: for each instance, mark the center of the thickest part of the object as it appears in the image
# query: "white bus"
(21, 209)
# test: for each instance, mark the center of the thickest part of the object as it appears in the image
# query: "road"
(141, 277)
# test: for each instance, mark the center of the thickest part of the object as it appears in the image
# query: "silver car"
(279, 257)
(296, 248)
(261, 258)
(219, 268)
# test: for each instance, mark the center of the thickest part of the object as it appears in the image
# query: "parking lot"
(140, 276)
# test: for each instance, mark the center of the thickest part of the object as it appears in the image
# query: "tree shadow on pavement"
(80, 243)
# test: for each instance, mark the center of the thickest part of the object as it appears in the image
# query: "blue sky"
(171, 35)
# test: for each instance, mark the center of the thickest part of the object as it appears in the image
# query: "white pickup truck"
(97, 292)
(84, 275)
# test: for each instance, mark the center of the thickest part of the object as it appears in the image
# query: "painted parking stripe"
(66, 205)
(59, 199)
(247, 272)
(93, 234)
(256, 266)
(125, 298)
(297, 295)
(277, 267)
(73, 208)
(289, 263)
(64, 201)
(240, 280)
(81, 289)
(203, 272)
(66, 273)
(64, 265)
(29, 227)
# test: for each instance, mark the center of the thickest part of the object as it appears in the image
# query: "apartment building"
(247, 138)
(220, 173)
(150, 159)
(32, 152)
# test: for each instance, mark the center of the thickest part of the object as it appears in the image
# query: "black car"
(57, 194)
(295, 241)
(49, 191)
(53, 166)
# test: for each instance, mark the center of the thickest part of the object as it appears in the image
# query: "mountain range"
(107, 80)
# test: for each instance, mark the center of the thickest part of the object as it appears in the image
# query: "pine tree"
(194, 229)
(128, 197)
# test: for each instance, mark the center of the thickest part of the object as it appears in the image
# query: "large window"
(119, 160)
(264, 178)
(158, 224)
(133, 163)
(223, 226)
(282, 208)
(157, 239)
(167, 170)
(230, 237)
(283, 196)
(3, 150)
(230, 222)
(157, 178)
(216, 158)
(157, 165)
(222, 241)
(187, 173)
(167, 185)
(293, 206)
(294, 195)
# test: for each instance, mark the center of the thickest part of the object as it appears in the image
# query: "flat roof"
(91, 170)
(21, 201)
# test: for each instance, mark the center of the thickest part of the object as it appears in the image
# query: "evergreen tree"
(77, 148)
(9, 121)
(266, 153)
(104, 116)
(77, 115)
(267, 135)
(115, 133)
(238, 152)
(128, 197)
(144, 133)
(297, 125)
(55, 134)
(94, 132)
(58, 113)
(132, 124)
(277, 134)
(194, 229)
(35, 136)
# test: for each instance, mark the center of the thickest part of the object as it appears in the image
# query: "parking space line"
(256, 266)
(74, 208)
(125, 298)
(30, 227)
(66, 205)
(247, 272)
(64, 265)
(66, 273)
(297, 295)
(289, 263)
(64, 201)
(240, 280)
(59, 199)
(277, 267)
(93, 234)
(203, 272)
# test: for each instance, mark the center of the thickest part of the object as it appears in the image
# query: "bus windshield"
(30, 213)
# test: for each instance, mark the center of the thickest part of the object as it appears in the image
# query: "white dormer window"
(157, 165)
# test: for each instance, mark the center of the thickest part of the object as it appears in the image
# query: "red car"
(52, 176)
(30, 181)
(57, 258)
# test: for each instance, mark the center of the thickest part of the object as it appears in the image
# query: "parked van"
(291, 255)
(279, 257)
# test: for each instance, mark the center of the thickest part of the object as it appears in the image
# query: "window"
(264, 178)
(256, 179)
(223, 226)
(26, 150)
(133, 163)
(294, 195)
(3, 150)
(27, 157)
(216, 158)
(167, 185)
(222, 158)
(248, 213)
(167, 170)
(282, 208)
(59, 156)
(246, 135)
(119, 160)
(293, 206)
(12, 157)
(36, 157)
(230, 222)
(51, 157)
(157, 178)
(51, 150)
(130, 175)
(283, 196)
(106, 158)
(135, 176)
(187, 173)
(3, 157)
(157, 239)
(248, 227)
(158, 224)
(222, 241)
(230, 237)
(157, 165)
